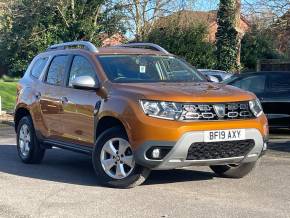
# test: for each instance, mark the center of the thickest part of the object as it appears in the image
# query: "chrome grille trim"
(216, 111)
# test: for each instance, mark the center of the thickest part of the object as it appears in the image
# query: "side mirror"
(86, 83)
(212, 79)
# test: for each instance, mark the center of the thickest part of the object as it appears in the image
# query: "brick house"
(116, 39)
(188, 18)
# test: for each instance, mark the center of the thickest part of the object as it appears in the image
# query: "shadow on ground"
(280, 146)
(178, 175)
(280, 140)
(68, 167)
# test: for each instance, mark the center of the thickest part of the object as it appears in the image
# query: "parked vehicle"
(219, 74)
(135, 110)
(273, 90)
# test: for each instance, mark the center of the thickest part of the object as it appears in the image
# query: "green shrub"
(8, 95)
(187, 42)
(257, 44)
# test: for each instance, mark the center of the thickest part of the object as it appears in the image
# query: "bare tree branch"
(63, 16)
(142, 14)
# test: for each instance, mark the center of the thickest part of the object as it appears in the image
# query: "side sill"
(69, 146)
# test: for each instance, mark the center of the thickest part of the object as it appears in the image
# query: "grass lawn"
(8, 95)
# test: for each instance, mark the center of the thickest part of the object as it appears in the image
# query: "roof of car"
(211, 70)
(110, 51)
(131, 48)
(119, 50)
(261, 72)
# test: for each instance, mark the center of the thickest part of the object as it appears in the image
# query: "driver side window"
(80, 67)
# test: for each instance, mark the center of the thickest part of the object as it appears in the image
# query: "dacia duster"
(135, 108)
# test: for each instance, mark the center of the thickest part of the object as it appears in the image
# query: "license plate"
(224, 135)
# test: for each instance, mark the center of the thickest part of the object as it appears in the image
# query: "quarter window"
(56, 72)
(80, 67)
(38, 67)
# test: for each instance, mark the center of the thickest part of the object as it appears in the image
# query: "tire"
(28, 147)
(234, 171)
(110, 174)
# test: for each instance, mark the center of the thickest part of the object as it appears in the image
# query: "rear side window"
(56, 72)
(254, 84)
(80, 67)
(279, 82)
(38, 67)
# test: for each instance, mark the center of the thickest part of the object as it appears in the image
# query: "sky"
(206, 5)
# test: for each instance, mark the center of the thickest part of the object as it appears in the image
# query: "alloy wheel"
(117, 158)
(24, 140)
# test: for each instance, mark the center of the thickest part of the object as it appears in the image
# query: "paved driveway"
(64, 185)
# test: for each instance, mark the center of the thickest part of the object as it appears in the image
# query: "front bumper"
(177, 157)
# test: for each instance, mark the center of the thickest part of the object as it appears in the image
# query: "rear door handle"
(64, 100)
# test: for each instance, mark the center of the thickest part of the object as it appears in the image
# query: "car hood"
(185, 92)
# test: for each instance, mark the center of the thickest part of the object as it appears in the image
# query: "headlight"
(256, 107)
(162, 109)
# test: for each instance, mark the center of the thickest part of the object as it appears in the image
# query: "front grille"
(219, 150)
(219, 111)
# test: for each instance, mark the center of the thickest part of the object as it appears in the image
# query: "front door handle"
(64, 100)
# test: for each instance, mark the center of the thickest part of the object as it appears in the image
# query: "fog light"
(156, 153)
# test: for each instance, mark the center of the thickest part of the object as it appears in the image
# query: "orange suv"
(135, 108)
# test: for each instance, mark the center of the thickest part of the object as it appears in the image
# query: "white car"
(219, 74)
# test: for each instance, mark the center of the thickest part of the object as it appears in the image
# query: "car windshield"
(148, 68)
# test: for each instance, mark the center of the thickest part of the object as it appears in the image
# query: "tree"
(86, 19)
(273, 15)
(228, 38)
(258, 44)
(29, 27)
(142, 14)
(187, 42)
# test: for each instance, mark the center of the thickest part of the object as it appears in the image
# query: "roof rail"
(151, 46)
(86, 44)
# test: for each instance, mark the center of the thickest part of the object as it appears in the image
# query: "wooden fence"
(273, 65)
